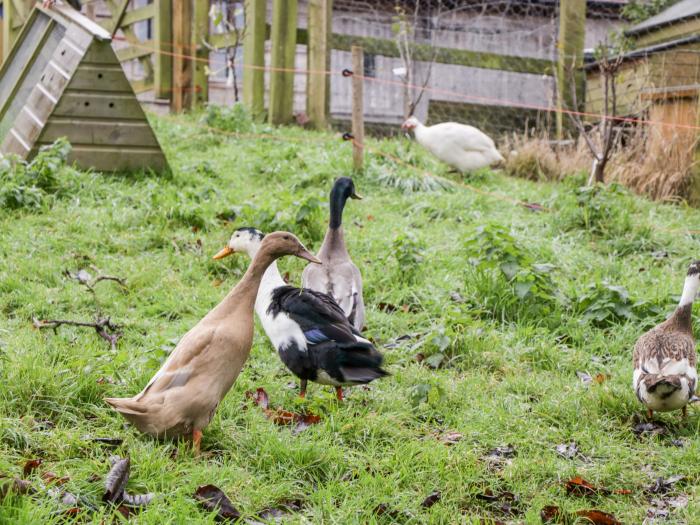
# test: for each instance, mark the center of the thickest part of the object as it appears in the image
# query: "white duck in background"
(463, 147)
(665, 374)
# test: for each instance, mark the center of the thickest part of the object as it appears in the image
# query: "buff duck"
(665, 376)
(308, 329)
(463, 147)
(183, 395)
(338, 276)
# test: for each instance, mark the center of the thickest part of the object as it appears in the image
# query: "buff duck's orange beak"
(224, 252)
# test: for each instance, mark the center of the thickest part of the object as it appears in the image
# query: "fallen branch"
(102, 325)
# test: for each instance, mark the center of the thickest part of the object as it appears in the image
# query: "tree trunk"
(597, 171)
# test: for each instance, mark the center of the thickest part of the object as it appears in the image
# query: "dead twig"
(102, 325)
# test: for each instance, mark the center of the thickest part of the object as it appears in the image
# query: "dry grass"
(657, 165)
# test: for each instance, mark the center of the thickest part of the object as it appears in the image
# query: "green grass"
(512, 340)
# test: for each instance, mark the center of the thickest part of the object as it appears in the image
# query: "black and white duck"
(313, 337)
(665, 374)
(338, 276)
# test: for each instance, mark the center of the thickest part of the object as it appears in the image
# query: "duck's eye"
(286, 237)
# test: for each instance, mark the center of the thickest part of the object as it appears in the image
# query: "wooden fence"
(174, 56)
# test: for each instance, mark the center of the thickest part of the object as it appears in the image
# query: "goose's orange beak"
(224, 252)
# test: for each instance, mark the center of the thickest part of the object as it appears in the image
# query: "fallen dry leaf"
(260, 397)
(553, 514)
(16, 485)
(30, 466)
(281, 509)
(650, 428)
(662, 486)
(578, 486)
(598, 517)
(116, 479)
(571, 451)
(450, 438)
(51, 478)
(280, 416)
(213, 499)
(431, 500)
(107, 441)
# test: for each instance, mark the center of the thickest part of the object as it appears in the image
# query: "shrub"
(516, 285)
(407, 251)
(604, 305)
(28, 184)
(235, 118)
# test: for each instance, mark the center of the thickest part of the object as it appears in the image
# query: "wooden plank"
(141, 86)
(254, 56)
(444, 55)
(117, 8)
(100, 78)
(12, 144)
(138, 15)
(572, 31)
(283, 36)
(318, 61)
(98, 105)
(100, 53)
(28, 63)
(669, 32)
(200, 34)
(182, 66)
(358, 121)
(118, 159)
(2, 34)
(99, 132)
(162, 60)
(141, 49)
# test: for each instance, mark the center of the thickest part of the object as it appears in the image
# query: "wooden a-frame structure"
(63, 79)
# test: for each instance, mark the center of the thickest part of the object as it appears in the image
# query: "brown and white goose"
(338, 276)
(183, 395)
(665, 374)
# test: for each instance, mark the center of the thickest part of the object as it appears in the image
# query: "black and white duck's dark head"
(244, 240)
(343, 189)
(277, 244)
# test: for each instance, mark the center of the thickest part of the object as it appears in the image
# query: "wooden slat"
(100, 53)
(254, 56)
(100, 78)
(162, 61)
(138, 15)
(99, 132)
(121, 159)
(12, 145)
(141, 86)
(141, 49)
(97, 105)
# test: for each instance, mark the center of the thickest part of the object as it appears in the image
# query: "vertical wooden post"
(358, 123)
(254, 56)
(163, 60)
(284, 39)
(200, 34)
(319, 53)
(572, 33)
(2, 33)
(182, 49)
(14, 13)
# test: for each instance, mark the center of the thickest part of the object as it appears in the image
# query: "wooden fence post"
(163, 61)
(200, 35)
(572, 32)
(2, 33)
(317, 83)
(14, 13)
(284, 39)
(358, 123)
(182, 49)
(254, 56)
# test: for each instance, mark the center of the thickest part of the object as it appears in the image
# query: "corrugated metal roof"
(681, 11)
